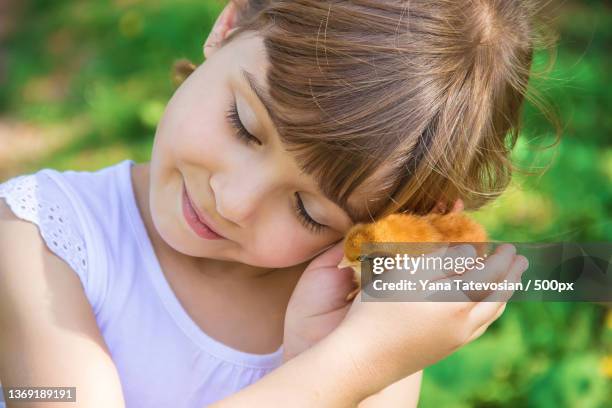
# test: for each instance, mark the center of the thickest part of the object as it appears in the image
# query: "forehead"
(247, 50)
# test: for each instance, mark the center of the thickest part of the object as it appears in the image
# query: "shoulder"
(28, 268)
(6, 214)
(24, 253)
(67, 211)
(45, 318)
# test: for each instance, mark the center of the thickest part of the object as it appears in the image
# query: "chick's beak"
(344, 263)
(354, 265)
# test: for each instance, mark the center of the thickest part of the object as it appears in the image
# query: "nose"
(239, 194)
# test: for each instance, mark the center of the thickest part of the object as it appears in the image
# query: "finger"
(432, 266)
(483, 314)
(445, 278)
(446, 255)
(432, 294)
(441, 206)
(485, 326)
(497, 267)
(511, 274)
(485, 311)
(458, 206)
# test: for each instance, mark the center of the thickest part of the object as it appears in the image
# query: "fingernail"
(466, 249)
(511, 249)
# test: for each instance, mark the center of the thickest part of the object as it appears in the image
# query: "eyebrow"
(261, 94)
(266, 101)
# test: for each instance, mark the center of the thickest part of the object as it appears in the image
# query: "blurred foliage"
(101, 69)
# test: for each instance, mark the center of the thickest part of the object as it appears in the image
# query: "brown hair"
(406, 103)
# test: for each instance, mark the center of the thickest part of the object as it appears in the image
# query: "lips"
(196, 220)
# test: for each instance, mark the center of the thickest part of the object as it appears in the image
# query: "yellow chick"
(451, 227)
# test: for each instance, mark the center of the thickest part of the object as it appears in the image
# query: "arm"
(48, 333)
(404, 393)
(326, 375)
(341, 372)
(333, 374)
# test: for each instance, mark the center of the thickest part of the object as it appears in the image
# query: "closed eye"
(305, 218)
(240, 130)
(243, 134)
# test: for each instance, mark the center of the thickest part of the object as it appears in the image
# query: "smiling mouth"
(195, 220)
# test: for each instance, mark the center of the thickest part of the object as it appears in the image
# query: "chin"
(166, 229)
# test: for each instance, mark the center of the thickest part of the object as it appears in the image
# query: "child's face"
(245, 189)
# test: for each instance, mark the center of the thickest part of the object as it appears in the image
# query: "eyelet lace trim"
(53, 216)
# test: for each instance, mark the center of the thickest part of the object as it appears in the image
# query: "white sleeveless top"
(91, 220)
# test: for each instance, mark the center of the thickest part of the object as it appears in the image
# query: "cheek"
(193, 125)
(199, 137)
(283, 246)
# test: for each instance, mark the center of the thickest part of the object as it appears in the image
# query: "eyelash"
(241, 132)
(305, 219)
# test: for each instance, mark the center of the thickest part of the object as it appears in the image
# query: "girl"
(183, 281)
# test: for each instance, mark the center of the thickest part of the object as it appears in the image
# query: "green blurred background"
(84, 83)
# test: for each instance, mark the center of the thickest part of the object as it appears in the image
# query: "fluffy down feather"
(451, 227)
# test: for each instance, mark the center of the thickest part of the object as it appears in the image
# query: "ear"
(223, 27)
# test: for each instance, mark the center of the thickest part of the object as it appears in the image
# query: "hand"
(388, 341)
(318, 303)
(457, 207)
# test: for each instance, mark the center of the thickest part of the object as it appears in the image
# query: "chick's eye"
(240, 130)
